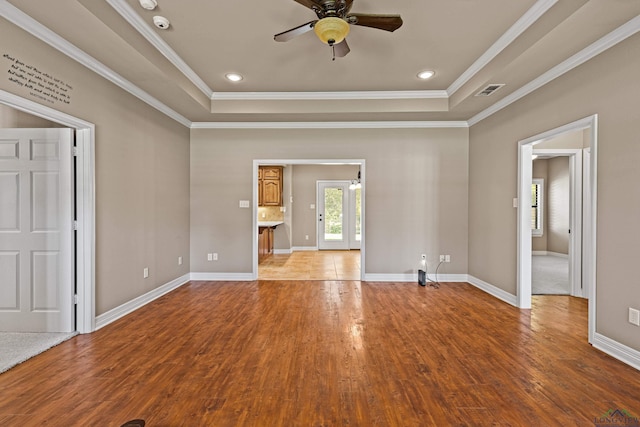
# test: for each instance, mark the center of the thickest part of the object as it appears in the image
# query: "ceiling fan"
(332, 25)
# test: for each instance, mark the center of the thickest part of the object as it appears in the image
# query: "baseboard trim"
(282, 251)
(222, 277)
(559, 255)
(617, 350)
(493, 290)
(548, 253)
(304, 248)
(413, 277)
(130, 306)
(375, 277)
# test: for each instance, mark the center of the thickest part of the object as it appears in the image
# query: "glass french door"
(333, 215)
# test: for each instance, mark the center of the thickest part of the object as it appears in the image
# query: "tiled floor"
(311, 265)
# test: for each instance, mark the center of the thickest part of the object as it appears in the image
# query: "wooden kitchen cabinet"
(265, 242)
(270, 186)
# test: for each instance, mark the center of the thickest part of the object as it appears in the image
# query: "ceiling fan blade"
(341, 49)
(289, 34)
(381, 22)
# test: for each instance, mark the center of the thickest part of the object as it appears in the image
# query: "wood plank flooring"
(326, 353)
(311, 265)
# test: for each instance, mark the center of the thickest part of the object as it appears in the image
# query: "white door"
(333, 215)
(36, 230)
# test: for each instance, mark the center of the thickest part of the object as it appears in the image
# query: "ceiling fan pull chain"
(333, 50)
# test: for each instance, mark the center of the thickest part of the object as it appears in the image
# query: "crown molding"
(522, 24)
(616, 36)
(30, 25)
(330, 125)
(315, 96)
(129, 15)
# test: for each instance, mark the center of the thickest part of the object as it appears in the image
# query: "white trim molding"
(136, 303)
(30, 25)
(222, 277)
(614, 37)
(156, 41)
(304, 248)
(493, 290)
(521, 25)
(413, 277)
(331, 125)
(282, 251)
(617, 350)
(336, 96)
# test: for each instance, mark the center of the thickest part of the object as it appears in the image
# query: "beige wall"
(304, 195)
(416, 192)
(557, 206)
(141, 168)
(12, 118)
(493, 175)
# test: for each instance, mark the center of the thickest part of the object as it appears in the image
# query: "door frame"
(525, 172)
(85, 202)
(332, 162)
(575, 214)
(346, 208)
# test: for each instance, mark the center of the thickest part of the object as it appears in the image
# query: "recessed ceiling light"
(427, 74)
(234, 77)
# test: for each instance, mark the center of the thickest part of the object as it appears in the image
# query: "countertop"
(269, 223)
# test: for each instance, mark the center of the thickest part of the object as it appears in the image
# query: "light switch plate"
(244, 203)
(634, 316)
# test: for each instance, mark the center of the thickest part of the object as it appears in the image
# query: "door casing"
(85, 202)
(525, 171)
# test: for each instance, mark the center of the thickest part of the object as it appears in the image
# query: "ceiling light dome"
(331, 30)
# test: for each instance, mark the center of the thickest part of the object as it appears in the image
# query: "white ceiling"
(468, 43)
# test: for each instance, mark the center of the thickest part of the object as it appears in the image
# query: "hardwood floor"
(332, 353)
(311, 265)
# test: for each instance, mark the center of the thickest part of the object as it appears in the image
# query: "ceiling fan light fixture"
(331, 30)
(426, 74)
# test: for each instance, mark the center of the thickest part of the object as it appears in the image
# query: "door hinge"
(75, 299)
(75, 151)
(75, 225)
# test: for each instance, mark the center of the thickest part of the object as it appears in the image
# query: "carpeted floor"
(549, 275)
(16, 347)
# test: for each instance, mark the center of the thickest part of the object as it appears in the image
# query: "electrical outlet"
(447, 258)
(209, 257)
(179, 260)
(306, 237)
(145, 272)
(634, 316)
(215, 256)
(441, 258)
(424, 257)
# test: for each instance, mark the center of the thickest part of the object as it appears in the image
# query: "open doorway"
(556, 218)
(581, 232)
(300, 244)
